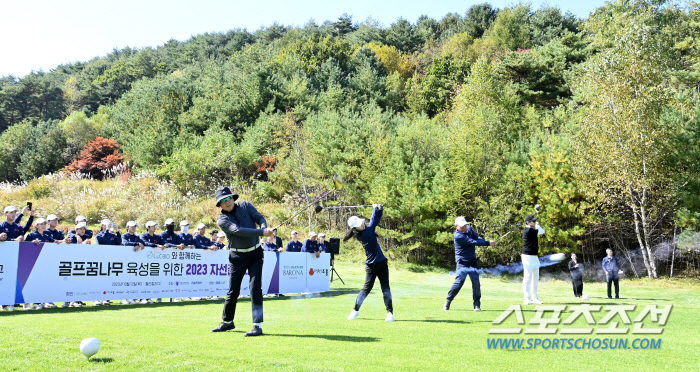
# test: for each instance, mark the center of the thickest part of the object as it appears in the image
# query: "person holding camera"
(109, 233)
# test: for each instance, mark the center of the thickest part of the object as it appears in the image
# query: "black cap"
(530, 217)
(223, 193)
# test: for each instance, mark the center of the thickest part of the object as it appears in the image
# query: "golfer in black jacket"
(531, 260)
(238, 221)
(576, 270)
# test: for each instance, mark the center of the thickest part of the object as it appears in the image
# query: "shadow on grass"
(101, 360)
(330, 337)
(448, 321)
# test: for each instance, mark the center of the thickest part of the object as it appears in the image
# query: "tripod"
(333, 270)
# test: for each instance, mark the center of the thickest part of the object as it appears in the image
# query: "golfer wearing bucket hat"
(466, 240)
(531, 261)
(238, 220)
(376, 265)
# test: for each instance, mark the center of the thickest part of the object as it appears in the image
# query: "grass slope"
(304, 334)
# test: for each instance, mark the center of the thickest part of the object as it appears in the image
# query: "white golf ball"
(557, 257)
(90, 347)
(586, 297)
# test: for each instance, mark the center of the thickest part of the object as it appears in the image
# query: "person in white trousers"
(531, 261)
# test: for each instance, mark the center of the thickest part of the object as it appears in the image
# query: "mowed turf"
(313, 334)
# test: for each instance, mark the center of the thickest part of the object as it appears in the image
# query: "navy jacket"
(220, 245)
(322, 247)
(369, 240)
(240, 225)
(279, 242)
(611, 265)
(293, 246)
(18, 220)
(46, 237)
(172, 240)
(88, 234)
(465, 247)
(13, 230)
(152, 241)
(272, 247)
(310, 246)
(74, 238)
(202, 242)
(108, 238)
(56, 234)
(186, 239)
(131, 240)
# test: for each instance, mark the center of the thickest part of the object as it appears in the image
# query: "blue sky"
(42, 34)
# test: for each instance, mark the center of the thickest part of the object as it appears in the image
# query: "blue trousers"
(462, 272)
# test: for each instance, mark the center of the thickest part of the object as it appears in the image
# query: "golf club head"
(318, 208)
(537, 208)
(337, 182)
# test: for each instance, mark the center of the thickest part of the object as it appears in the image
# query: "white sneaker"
(176, 299)
(38, 306)
(26, 306)
(196, 298)
(97, 303)
(526, 301)
(185, 298)
(536, 301)
(76, 304)
(66, 304)
(389, 317)
(10, 308)
(125, 302)
(159, 300)
(353, 315)
(50, 305)
(132, 302)
(146, 302)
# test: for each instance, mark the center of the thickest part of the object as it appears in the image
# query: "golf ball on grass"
(586, 297)
(90, 347)
(557, 257)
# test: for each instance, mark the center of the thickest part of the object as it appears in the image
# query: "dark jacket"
(369, 241)
(576, 271)
(611, 265)
(465, 247)
(531, 245)
(240, 225)
(293, 246)
(310, 246)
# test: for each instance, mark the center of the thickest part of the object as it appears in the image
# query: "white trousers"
(531, 275)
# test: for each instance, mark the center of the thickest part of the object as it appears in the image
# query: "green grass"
(313, 333)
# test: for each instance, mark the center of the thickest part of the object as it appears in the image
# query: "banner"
(60, 272)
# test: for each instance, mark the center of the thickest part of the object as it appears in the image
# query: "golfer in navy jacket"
(56, 234)
(294, 245)
(376, 265)
(310, 245)
(41, 235)
(106, 237)
(130, 238)
(200, 239)
(270, 245)
(88, 233)
(169, 236)
(466, 241)
(238, 221)
(9, 230)
(186, 238)
(150, 238)
(611, 266)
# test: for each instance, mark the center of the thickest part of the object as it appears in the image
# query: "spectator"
(200, 239)
(9, 230)
(18, 220)
(220, 240)
(88, 232)
(185, 237)
(150, 238)
(278, 240)
(80, 235)
(56, 234)
(132, 239)
(322, 243)
(311, 245)
(38, 237)
(107, 235)
(169, 236)
(294, 245)
(214, 236)
(270, 245)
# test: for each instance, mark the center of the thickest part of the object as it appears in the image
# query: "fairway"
(313, 334)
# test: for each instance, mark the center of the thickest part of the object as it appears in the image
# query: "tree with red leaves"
(97, 157)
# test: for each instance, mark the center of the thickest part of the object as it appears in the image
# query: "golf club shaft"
(348, 206)
(305, 208)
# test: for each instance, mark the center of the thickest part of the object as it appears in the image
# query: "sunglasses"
(224, 200)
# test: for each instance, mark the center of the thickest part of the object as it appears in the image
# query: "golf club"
(337, 185)
(537, 210)
(319, 208)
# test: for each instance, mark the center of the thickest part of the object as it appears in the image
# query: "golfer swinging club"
(237, 220)
(466, 240)
(531, 262)
(376, 263)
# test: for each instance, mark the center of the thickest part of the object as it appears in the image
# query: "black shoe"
(446, 306)
(256, 331)
(477, 308)
(223, 327)
(617, 296)
(610, 297)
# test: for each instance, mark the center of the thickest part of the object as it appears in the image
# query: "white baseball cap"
(80, 224)
(39, 221)
(312, 234)
(151, 223)
(355, 221)
(10, 208)
(52, 217)
(321, 235)
(131, 223)
(461, 221)
(184, 223)
(221, 234)
(81, 218)
(105, 222)
(201, 226)
(169, 221)
(294, 232)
